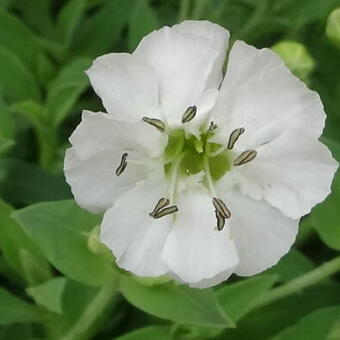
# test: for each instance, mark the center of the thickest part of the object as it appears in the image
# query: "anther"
(245, 157)
(122, 165)
(212, 127)
(220, 221)
(234, 137)
(166, 211)
(189, 114)
(157, 123)
(163, 202)
(221, 208)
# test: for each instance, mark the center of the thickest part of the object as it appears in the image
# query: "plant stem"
(304, 281)
(184, 10)
(256, 18)
(199, 9)
(93, 310)
(47, 140)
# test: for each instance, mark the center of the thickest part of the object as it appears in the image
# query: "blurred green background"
(57, 281)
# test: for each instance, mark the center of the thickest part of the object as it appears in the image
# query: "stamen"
(245, 157)
(189, 114)
(234, 137)
(166, 211)
(157, 123)
(221, 208)
(163, 202)
(212, 127)
(122, 165)
(220, 221)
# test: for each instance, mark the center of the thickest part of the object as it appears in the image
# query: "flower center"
(187, 155)
(196, 154)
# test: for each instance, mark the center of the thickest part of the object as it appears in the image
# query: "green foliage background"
(57, 281)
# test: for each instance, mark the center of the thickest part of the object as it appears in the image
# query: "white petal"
(260, 94)
(206, 283)
(126, 85)
(186, 63)
(292, 173)
(93, 181)
(219, 38)
(102, 132)
(135, 238)
(262, 233)
(99, 142)
(195, 250)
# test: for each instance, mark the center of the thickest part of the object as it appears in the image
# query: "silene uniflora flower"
(200, 174)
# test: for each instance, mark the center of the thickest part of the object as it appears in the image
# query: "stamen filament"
(207, 169)
(174, 173)
(217, 152)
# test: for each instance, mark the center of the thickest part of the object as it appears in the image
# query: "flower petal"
(93, 181)
(126, 85)
(134, 237)
(219, 38)
(292, 173)
(186, 63)
(99, 142)
(99, 131)
(260, 94)
(206, 283)
(195, 250)
(262, 233)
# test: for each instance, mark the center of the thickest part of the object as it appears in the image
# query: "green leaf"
(7, 127)
(100, 31)
(65, 90)
(49, 294)
(16, 246)
(61, 229)
(326, 217)
(15, 310)
(31, 110)
(143, 20)
(265, 322)
(315, 326)
(238, 298)
(149, 333)
(16, 331)
(68, 19)
(16, 37)
(177, 303)
(75, 300)
(37, 13)
(25, 183)
(46, 70)
(291, 266)
(17, 81)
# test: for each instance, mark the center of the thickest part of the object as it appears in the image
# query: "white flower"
(199, 176)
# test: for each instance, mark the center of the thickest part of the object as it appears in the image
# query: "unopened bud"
(333, 27)
(296, 57)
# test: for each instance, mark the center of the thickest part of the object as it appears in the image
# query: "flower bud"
(296, 57)
(96, 247)
(333, 27)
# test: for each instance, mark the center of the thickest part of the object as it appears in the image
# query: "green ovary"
(192, 152)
